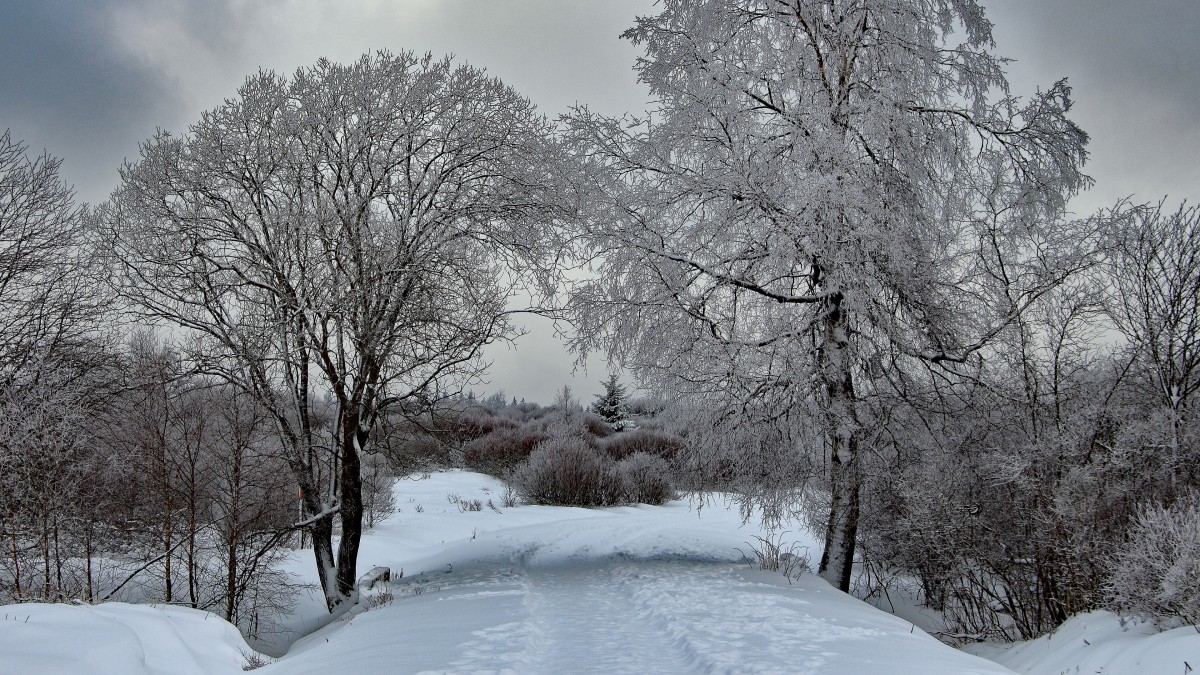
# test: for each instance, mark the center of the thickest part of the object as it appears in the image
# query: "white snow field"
(534, 589)
(1098, 642)
(117, 638)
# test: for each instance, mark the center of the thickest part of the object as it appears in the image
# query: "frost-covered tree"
(343, 232)
(48, 299)
(51, 371)
(611, 405)
(827, 189)
(1157, 574)
(1155, 267)
(44, 463)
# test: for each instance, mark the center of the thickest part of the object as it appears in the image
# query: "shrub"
(469, 425)
(411, 449)
(1157, 575)
(774, 555)
(622, 445)
(647, 479)
(378, 499)
(500, 451)
(568, 472)
(596, 426)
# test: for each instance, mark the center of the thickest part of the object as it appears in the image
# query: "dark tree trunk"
(322, 539)
(350, 485)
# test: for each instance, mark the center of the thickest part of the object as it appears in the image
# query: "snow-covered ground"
(535, 589)
(1099, 642)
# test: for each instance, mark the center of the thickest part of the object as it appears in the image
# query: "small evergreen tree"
(611, 405)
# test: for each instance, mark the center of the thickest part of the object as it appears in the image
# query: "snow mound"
(1096, 642)
(117, 638)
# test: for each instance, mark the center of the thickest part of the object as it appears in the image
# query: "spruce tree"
(611, 405)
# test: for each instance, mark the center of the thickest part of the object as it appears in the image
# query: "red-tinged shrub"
(567, 472)
(647, 479)
(596, 426)
(468, 426)
(656, 443)
(498, 452)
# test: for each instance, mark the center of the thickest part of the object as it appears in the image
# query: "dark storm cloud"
(70, 88)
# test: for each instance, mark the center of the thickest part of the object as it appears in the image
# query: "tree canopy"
(353, 231)
(826, 190)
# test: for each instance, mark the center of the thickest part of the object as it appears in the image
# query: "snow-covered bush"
(377, 479)
(568, 472)
(1158, 574)
(647, 479)
(500, 451)
(622, 445)
(596, 426)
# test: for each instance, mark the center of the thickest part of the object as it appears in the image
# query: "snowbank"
(1096, 642)
(117, 638)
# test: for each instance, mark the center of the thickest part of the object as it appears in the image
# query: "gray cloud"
(1133, 67)
(68, 89)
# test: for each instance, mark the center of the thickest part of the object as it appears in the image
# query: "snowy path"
(587, 619)
(625, 616)
(626, 590)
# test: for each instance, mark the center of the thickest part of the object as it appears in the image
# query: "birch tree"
(349, 231)
(825, 189)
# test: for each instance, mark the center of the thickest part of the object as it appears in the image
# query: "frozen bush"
(597, 426)
(622, 445)
(472, 424)
(1157, 575)
(501, 450)
(377, 479)
(568, 472)
(647, 479)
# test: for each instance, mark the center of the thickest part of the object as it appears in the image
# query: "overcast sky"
(86, 80)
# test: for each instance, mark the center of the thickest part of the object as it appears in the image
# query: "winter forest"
(834, 272)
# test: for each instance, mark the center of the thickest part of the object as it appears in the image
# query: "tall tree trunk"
(350, 479)
(321, 531)
(45, 557)
(191, 552)
(168, 581)
(88, 551)
(835, 362)
(16, 557)
(322, 540)
(57, 559)
(231, 579)
(234, 532)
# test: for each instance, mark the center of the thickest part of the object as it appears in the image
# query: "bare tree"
(43, 448)
(252, 493)
(1155, 267)
(825, 189)
(49, 358)
(48, 303)
(343, 233)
